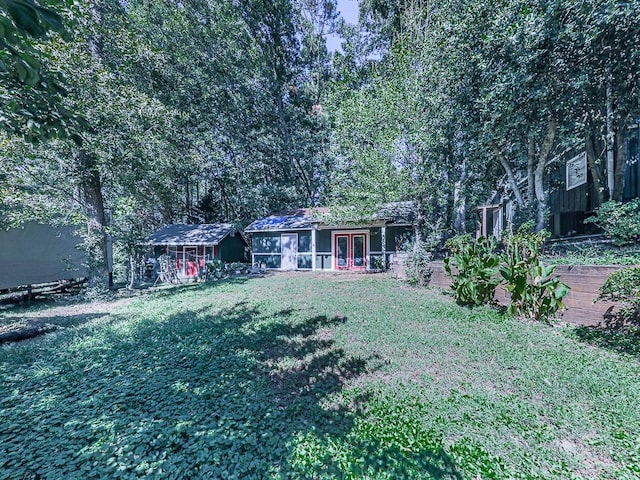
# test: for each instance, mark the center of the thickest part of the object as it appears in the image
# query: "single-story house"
(313, 239)
(190, 247)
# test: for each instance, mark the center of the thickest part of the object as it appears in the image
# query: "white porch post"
(383, 239)
(313, 249)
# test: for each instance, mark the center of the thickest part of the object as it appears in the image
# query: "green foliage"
(378, 264)
(214, 266)
(604, 254)
(32, 90)
(619, 220)
(623, 286)
(473, 268)
(535, 292)
(417, 269)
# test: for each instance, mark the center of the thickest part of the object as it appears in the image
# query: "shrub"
(473, 268)
(417, 264)
(535, 292)
(623, 286)
(620, 221)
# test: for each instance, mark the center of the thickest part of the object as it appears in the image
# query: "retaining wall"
(584, 281)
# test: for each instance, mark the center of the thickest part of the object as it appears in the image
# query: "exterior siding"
(39, 254)
(232, 249)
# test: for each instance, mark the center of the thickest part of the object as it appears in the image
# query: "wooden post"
(483, 228)
(383, 239)
(313, 249)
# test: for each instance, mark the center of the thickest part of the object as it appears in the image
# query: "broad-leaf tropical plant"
(473, 268)
(535, 291)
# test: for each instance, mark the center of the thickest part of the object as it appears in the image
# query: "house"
(189, 247)
(315, 239)
(38, 253)
(573, 193)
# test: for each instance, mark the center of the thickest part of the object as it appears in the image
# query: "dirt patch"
(593, 464)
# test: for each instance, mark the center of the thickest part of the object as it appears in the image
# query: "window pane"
(358, 251)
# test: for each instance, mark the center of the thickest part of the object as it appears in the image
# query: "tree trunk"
(531, 163)
(419, 222)
(596, 177)
(510, 175)
(91, 185)
(132, 270)
(460, 201)
(540, 191)
(26, 333)
(621, 164)
(610, 138)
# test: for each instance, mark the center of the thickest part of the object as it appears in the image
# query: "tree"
(31, 88)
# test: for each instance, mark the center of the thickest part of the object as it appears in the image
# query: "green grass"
(302, 376)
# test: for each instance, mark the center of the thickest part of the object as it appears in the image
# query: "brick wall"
(584, 281)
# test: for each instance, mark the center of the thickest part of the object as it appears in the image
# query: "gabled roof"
(181, 234)
(401, 213)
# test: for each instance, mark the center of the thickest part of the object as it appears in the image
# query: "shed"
(39, 253)
(314, 239)
(189, 247)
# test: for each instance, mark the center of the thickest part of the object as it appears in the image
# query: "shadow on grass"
(170, 289)
(195, 395)
(626, 341)
(619, 331)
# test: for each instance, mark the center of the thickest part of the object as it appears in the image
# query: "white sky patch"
(349, 12)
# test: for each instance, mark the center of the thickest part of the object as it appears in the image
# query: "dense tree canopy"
(190, 111)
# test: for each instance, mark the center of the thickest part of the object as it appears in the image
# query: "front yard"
(314, 376)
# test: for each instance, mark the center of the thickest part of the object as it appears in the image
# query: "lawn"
(314, 376)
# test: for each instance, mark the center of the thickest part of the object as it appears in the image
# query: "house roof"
(402, 213)
(301, 219)
(181, 234)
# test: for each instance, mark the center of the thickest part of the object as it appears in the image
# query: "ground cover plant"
(314, 376)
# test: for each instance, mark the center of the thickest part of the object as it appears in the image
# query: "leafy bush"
(213, 269)
(473, 268)
(623, 286)
(378, 263)
(535, 292)
(417, 264)
(620, 221)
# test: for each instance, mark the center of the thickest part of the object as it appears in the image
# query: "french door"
(350, 251)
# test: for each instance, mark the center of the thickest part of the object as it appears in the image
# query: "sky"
(349, 11)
